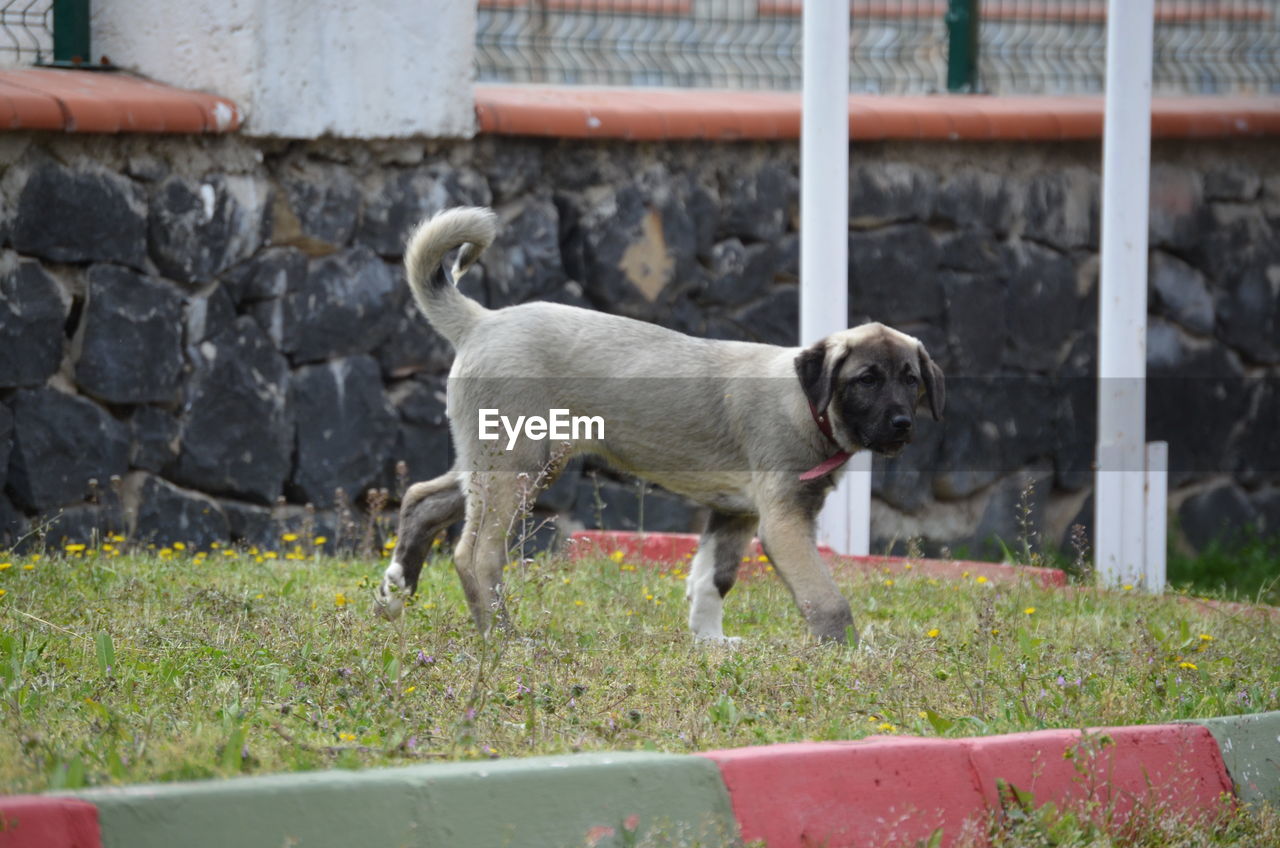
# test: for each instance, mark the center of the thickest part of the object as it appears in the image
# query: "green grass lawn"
(128, 668)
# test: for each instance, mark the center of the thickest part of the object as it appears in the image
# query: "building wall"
(307, 68)
(201, 337)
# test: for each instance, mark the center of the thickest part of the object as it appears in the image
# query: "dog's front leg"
(714, 571)
(787, 535)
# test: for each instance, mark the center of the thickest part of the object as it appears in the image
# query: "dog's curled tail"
(473, 229)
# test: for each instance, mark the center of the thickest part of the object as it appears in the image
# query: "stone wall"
(201, 337)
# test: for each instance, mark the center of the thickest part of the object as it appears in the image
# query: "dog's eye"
(910, 379)
(868, 379)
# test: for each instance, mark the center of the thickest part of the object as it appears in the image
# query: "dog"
(754, 432)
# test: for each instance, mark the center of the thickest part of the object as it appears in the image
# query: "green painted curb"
(577, 800)
(1250, 746)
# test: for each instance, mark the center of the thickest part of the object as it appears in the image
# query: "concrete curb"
(898, 791)
(585, 799)
(1250, 746)
(884, 791)
(677, 548)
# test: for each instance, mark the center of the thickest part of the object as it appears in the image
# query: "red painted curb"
(677, 548)
(38, 821)
(881, 791)
(898, 791)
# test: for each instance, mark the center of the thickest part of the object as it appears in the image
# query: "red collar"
(831, 463)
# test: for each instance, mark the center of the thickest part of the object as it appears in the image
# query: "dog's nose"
(901, 423)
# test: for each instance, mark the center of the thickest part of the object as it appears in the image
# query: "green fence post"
(71, 33)
(962, 45)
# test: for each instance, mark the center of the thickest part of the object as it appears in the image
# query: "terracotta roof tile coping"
(652, 114)
(107, 102)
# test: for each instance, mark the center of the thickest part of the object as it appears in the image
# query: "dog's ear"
(817, 367)
(935, 386)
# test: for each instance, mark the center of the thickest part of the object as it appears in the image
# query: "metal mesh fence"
(26, 31)
(896, 46)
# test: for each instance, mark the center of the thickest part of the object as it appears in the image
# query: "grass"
(1246, 568)
(118, 668)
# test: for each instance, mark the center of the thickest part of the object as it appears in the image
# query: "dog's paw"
(388, 603)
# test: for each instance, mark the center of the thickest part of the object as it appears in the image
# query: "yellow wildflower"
(319, 540)
(1190, 666)
(1128, 587)
(74, 549)
(179, 546)
(886, 727)
(290, 537)
(411, 690)
(1030, 610)
(617, 556)
(981, 579)
(5, 565)
(340, 599)
(934, 633)
(1205, 637)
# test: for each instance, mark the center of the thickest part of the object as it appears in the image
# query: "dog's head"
(869, 380)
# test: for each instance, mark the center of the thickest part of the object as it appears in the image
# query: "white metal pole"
(1120, 518)
(824, 236)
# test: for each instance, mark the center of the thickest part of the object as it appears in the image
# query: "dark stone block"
(197, 230)
(1221, 514)
(906, 482)
(563, 492)
(60, 443)
(85, 524)
(413, 347)
(325, 200)
(209, 315)
(1257, 459)
(616, 248)
(609, 505)
(346, 429)
(236, 423)
(1249, 314)
(893, 275)
(970, 457)
(1062, 208)
(974, 251)
(155, 435)
(422, 437)
(250, 525)
(1233, 241)
(6, 442)
(1075, 432)
(524, 261)
(1014, 516)
(739, 274)
(13, 524)
(164, 514)
(975, 322)
(755, 206)
(1267, 504)
(395, 206)
(975, 198)
(340, 309)
(1180, 293)
(1177, 208)
(889, 192)
(774, 320)
(81, 216)
(32, 315)
(1043, 307)
(130, 347)
(1196, 395)
(270, 274)
(1233, 182)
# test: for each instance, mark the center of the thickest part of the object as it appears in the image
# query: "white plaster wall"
(307, 68)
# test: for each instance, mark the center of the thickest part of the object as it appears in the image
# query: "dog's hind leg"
(714, 571)
(427, 508)
(493, 501)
